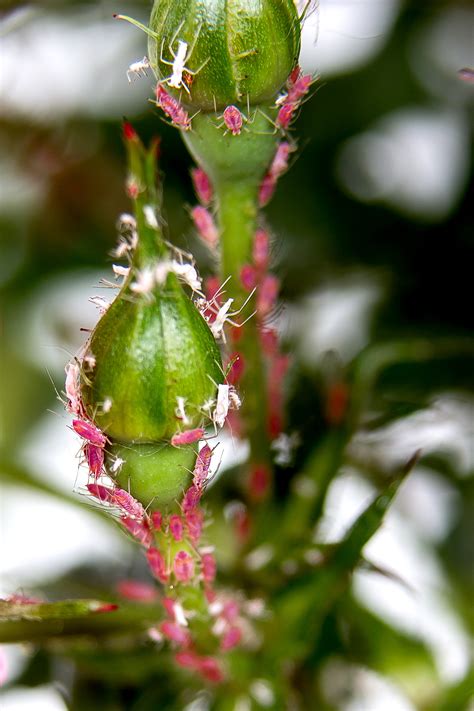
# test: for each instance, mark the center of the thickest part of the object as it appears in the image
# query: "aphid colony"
(182, 77)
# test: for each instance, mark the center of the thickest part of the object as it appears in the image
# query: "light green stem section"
(236, 166)
(237, 213)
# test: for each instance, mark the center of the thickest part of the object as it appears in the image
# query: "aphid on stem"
(89, 432)
(205, 225)
(233, 120)
(187, 437)
(172, 108)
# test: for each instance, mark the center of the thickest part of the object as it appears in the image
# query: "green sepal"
(155, 474)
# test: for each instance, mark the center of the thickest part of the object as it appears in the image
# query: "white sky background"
(75, 67)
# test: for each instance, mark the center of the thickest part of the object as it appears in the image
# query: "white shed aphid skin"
(150, 217)
(176, 80)
(188, 274)
(144, 281)
(221, 409)
(89, 361)
(117, 465)
(121, 249)
(107, 404)
(180, 410)
(138, 69)
(218, 409)
(162, 269)
(126, 223)
(223, 314)
(120, 271)
(101, 303)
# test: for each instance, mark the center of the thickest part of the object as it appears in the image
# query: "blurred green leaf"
(22, 622)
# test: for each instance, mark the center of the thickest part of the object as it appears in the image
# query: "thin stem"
(237, 214)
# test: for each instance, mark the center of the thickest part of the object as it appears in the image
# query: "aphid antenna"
(221, 290)
(62, 398)
(228, 367)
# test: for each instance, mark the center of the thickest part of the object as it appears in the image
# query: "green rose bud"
(155, 361)
(219, 52)
(150, 349)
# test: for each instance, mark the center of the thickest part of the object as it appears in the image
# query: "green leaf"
(23, 622)
(305, 603)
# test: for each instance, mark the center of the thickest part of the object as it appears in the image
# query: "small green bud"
(155, 362)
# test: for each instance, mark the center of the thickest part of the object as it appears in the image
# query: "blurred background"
(373, 242)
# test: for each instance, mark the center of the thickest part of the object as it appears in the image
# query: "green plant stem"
(237, 214)
(236, 166)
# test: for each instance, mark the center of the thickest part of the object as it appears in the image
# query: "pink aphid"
(285, 115)
(267, 295)
(176, 527)
(187, 437)
(194, 524)
(248, 277)
(183, 567)
(280, 161)
(269, 341)
(126, 502)
(137, 591)
(191, 499)
(90, 432)
(231, 639)
(169, 605)
(175, 633)
(19, 599)
(299, 89)
(210, 669)
(205, 225)
(259, 483)
(201, 469)
(187, 660)
(209, 567)
(202, 185)
(266, 189)
(261, 249)
(172, 108)
(103, 493)
(157, 565)
(294, 75)
(233, 119)
(156, 520)
(94, 455)
(139, 530)
(231, 611)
